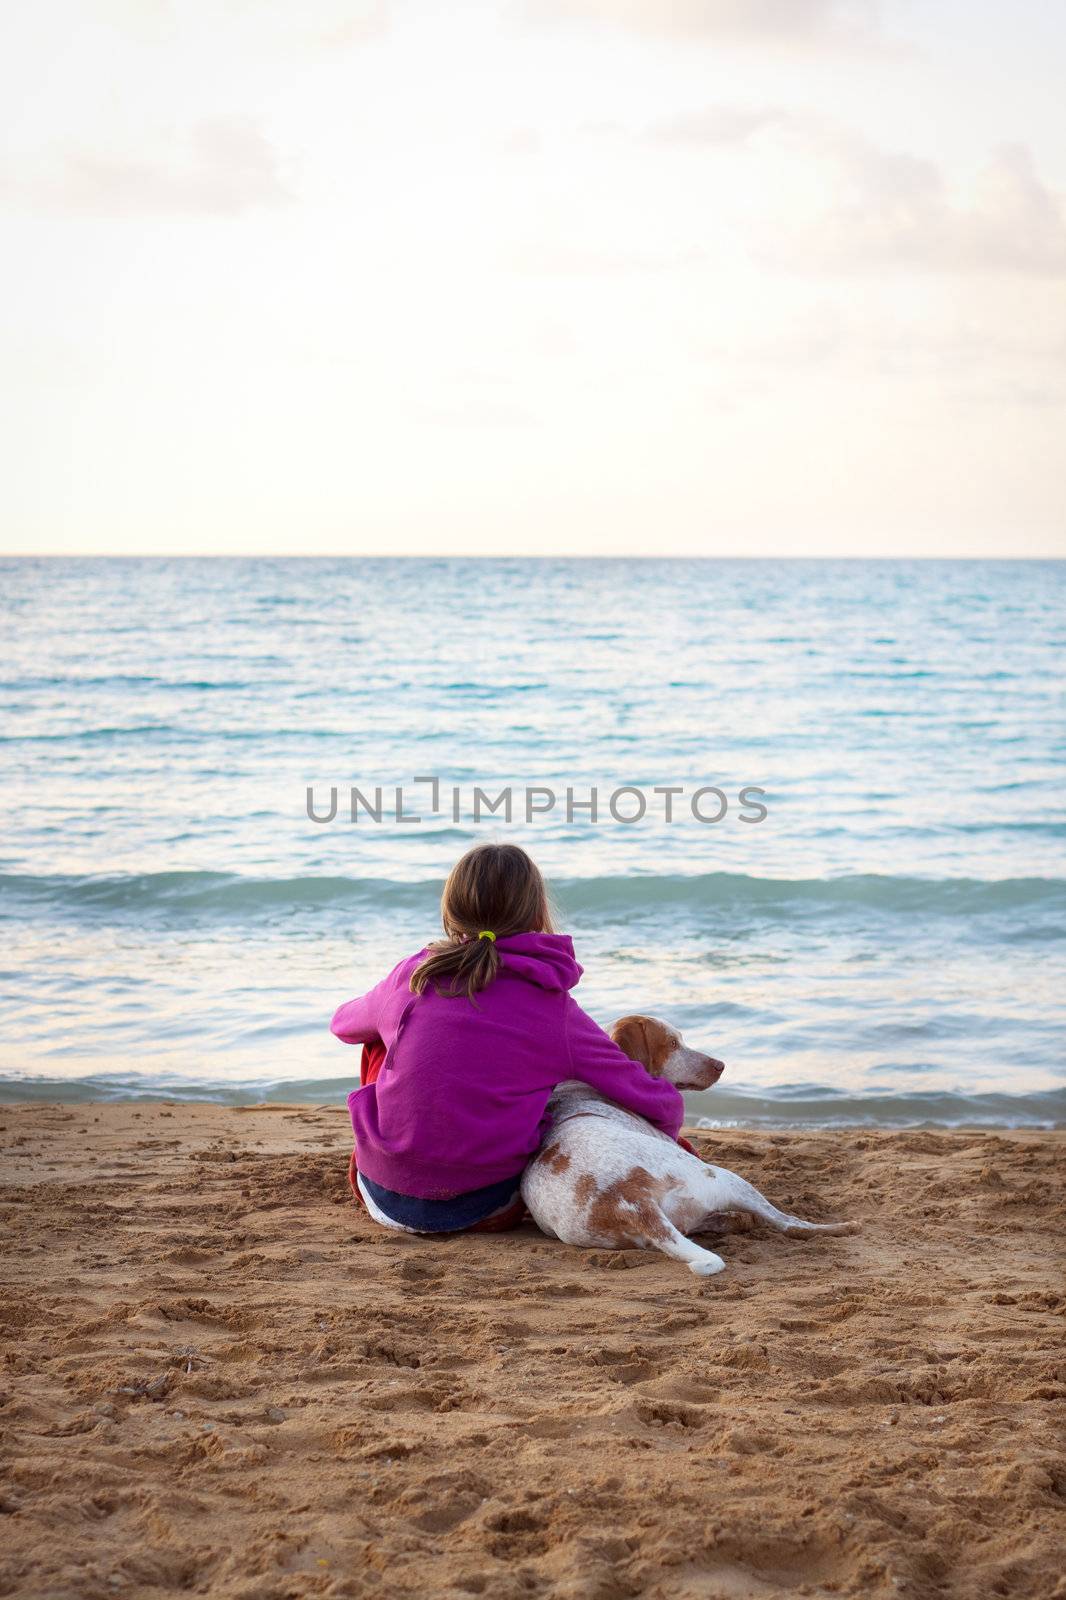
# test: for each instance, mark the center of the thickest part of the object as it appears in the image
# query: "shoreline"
(222, 1377)
(814, 1109)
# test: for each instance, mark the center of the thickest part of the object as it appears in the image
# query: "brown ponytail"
(494, 888)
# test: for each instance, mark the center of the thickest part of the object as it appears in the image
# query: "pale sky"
(720, 277)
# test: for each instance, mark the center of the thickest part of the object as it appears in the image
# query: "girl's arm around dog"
(595, 1059)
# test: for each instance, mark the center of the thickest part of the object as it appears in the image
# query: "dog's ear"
(647, 1040)
(630, 1034)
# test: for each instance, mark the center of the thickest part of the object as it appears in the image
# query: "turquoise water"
(887, 944)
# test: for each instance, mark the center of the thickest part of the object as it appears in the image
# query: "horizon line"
(480, 555)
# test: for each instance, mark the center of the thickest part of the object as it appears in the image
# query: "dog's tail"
(733, 1193)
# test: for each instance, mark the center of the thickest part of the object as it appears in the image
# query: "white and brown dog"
(606, 1178)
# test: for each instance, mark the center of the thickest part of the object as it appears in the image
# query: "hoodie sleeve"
(359, 1021)
(596, 1060)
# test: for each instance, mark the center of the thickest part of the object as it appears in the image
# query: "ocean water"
(887, 944)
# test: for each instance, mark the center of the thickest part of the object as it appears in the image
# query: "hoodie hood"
(546, 959)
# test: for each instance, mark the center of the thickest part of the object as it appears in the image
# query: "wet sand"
(221, 1379)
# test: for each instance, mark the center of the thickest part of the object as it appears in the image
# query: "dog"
(608, 1179)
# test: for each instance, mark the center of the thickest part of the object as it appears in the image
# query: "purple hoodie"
(460, 1100)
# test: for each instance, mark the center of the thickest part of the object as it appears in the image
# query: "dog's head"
(663, 1053)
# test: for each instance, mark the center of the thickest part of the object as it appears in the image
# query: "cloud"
(968, 354)
(882, 339)
(886, 209)
(777, 22)
(223, 166)
(576, 261)
(813, 338)
(716, 125)
(349, 25)
(522, 142)
(263, 28)
(460, 413)
(893, 210)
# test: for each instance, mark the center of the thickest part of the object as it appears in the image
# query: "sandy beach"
(220, 1378)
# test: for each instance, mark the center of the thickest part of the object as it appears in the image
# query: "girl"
(475, 1032)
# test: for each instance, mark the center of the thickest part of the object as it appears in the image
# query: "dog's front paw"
(707, 1265)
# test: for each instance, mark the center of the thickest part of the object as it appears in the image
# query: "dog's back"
(606, 1179)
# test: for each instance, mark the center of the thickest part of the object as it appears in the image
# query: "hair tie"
(487, 935)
